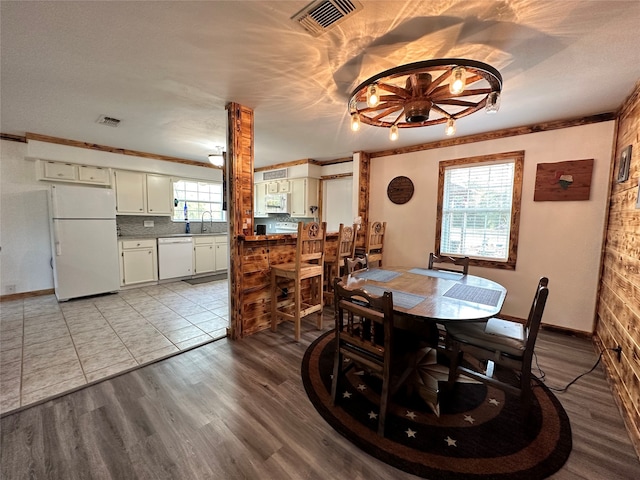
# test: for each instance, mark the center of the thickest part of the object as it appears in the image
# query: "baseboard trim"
(22, 295)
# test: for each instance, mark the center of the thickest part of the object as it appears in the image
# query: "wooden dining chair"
(308, 266)
(499, 343)
(334, 261)
(374, 242)
(449, 264)
(356, 264)
(363, 334)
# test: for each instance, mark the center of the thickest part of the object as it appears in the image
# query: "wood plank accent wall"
(239, 178)
(618, 312)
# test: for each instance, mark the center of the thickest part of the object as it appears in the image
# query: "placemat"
(486, 296)
(436, 273)
(378, 275)
(400, 299)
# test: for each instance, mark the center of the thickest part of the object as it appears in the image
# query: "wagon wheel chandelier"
(425, 93)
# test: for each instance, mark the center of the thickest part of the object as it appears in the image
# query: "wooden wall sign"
(559, 181)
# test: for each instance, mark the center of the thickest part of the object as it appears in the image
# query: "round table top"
(432, 294)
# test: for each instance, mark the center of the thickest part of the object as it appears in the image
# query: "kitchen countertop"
(170, 235)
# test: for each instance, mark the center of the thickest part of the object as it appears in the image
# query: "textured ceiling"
(167, 69)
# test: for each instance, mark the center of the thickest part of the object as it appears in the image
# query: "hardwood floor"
(230, 410)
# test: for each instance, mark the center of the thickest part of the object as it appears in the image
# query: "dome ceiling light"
(421, 94)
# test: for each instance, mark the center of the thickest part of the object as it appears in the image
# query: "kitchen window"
(200, 197)
(479, 209)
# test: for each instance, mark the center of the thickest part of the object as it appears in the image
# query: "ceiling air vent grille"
(274, 174)
(321, 15)
(108, 121)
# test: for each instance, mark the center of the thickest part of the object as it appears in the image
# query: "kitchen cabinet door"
(60, 171)
(159, 195)
(204, 259)
(222, 253)
(304, 195)
(259, 195)
(138, 265)
(130, 192)
(98, 175)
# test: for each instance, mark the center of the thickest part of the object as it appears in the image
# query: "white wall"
(560, 240)
(25, 253)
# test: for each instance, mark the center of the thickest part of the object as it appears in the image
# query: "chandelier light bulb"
(458, 80)
(493, 102)
(451, 127)
(372, 95)
(393, 133)
(355, 122)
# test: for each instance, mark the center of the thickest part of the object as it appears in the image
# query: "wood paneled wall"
(239, 183)
(618, 314)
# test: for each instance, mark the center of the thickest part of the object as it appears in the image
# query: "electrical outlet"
(618, 350)
(9, 289)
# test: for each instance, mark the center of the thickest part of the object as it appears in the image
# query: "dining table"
(430, 297)
(433, 295)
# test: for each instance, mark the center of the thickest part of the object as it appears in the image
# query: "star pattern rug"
(477, 432)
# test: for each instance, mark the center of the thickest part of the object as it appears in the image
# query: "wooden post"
(239, 175)
(364, 186)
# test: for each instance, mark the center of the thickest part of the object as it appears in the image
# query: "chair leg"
(274, 302)
(320, 301)
(297, 305)
(384, 402)
(337, 367)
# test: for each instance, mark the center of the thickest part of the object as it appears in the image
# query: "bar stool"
(308, 265)
(373, 243)
(334, 261)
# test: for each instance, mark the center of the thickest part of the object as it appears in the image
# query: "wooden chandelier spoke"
(388, 111)
(445, 93)
(459, 103)
(399, 91)
(438, 81)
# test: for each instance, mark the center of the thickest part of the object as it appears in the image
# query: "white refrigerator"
(84, 241)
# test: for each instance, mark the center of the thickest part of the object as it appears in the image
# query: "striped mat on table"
(378, 275)
(469, 293)
(400, 299)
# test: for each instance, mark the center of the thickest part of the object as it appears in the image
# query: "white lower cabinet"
(222, 252)
(204, 258)
(138, 261)
(210, 254)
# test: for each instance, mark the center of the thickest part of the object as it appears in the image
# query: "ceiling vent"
(108, 121)
(322, 15)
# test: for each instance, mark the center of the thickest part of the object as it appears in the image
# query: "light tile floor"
(47, 348)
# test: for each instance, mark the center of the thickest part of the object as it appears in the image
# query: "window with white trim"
(479, 207)
(199, 197)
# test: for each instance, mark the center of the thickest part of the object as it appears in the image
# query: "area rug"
(206, 279)
(480, 432)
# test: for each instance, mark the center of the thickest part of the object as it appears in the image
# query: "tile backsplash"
(132, 225)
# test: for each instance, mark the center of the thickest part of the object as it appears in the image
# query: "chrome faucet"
(203, 229)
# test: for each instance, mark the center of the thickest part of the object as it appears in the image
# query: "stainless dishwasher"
(175, 257)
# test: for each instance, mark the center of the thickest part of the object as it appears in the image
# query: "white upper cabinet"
(139, 193)
(304, 195)
(159, 194)
(72, 173)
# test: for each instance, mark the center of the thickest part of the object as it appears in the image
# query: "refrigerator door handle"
(56, 239)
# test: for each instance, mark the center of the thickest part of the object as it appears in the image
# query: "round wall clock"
(400, 190)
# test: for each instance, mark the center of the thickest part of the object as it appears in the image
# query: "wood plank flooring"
(238, 410)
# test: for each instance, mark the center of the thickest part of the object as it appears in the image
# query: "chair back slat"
(375, 237)
(356, 264)
(535, 315)
(310, 244)
(449, 264)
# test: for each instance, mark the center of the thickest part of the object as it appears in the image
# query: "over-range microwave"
(277, 203)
